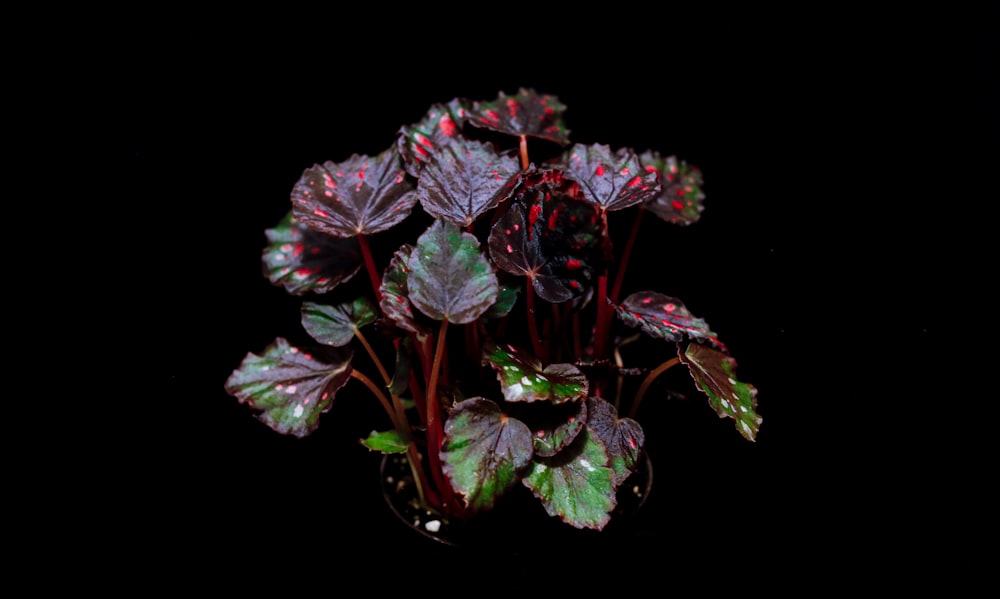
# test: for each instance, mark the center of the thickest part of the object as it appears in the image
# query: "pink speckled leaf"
(664, 317)
(417, 142)
(288, 388)
(623, 438)
(396, 297)
(681, 200)
(523, 377)
(526, 113)
(715, 374)
(359, 196)
(302, 260)
(612, 181)
(465, 178)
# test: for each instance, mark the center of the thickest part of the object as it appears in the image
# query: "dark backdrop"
(818, 260)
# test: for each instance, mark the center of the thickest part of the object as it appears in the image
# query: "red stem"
(536, 342)
(626, 253)
(373, 273)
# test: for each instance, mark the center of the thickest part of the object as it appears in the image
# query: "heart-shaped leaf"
(715, 374)
(523, 378)
(442, 122)
(465, 178)
(359, 196)
(302, 260)
(288, 388)
(623, 438)
(575, 485)
(336, 325)
(612, 181)
(553, 427)
(664, 317)
(386, 442)
(526, 113)
(681, 200)
(449, 277)
(484, 451)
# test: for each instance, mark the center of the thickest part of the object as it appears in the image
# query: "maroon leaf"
(664, 317)
(680, 201)
(360, 196)
(395, 294)
(526, 113)
(612, 181)
(715, 374)
(465, 178)
(301, 260)
(419, 141)
(622, 437)
(288, 388)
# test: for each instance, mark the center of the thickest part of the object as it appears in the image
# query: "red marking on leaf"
(650, 169)
(329, 182)
(533, 215)
(646, 300)
(422, 152)
(574, 284)
(493, 116)
(680, 192)
(541, 433)
(636, 181)
(573, 264)
(423, 140)
(447, 126)
(677, 205)
(632, 443)
(328, 193)
(320, 213)
(512, 107)
(625, 171)
(361, 174)
(669, 307)
(600, 170)
(510, 250)
(298, 250)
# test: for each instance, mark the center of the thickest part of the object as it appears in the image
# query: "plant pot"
(516, 518)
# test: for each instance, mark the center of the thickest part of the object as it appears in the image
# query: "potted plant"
(476, 290)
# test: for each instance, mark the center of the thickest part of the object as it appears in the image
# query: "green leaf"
(484, 451)
(506, 299)
(302, 260)
(576, 485)
(449, 277)
(664, 317)
(386, 442)
(553, 427)
(623, 438)
(288, 388)
(337, 325)
(681, 200)
(715, 374)
(523, 378)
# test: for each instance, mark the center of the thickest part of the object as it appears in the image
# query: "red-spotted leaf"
(465, 178)
(612, 181)
(302, 260)
(681, 200)
(449, 277)
(359, 196)
(623, 438)
(523, 378)
(395, 294)
(288, 388)
(715, 374)
(526, 113)
(441, 123)
(386, 442)
(576, 485)
(484, 451)
(336, 325)
(664, 317)
(553, 427)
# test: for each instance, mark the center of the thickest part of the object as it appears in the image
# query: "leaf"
(302, 260)
(522, 377)
(664, 317)
(623, 438)
(680, 201)
(465, 178)
(554, 427)
(395, 302)
(337, 325)
(715, 374)
(506, 299)
(611, 181)
(359, 196)
(420, 140)
(526, 113)
(484, 451)
(386, 442)
(577, 488)
(288, 388)
(449, 278)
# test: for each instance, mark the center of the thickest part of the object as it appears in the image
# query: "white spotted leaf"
(288, 388)
(715, 374)
(523, 378)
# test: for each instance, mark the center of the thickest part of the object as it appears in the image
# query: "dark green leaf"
(575, 485)
(484, 451)
(336, 325)
(465, 178)
(623, 438)
(288, 388)
(302, 260)
(612, 181)
(523, 378)
(506, 299)
(664, 317)
(449, 277)
(526, 113)
(359, 196)
(681, 200)
(715, 374)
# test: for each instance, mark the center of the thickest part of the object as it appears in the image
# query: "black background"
(825, 260)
